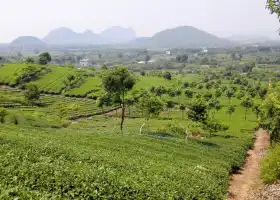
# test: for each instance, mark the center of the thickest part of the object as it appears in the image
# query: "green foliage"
(182, 58)
(215, 126)
(274, 7)
(270, 114)
(176, 128)
(230, 110)
(167, 75)
(151, 106)
(44, 58)
(29, 60)
(270, 167)
(189, 93)
(117, 82)
(31, 93)
(3, 113)
(197, 110)
(27, 74)
(247, 103)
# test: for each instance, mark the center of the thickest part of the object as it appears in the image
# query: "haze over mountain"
(66, 36)
(186, 36)
(28, 41)
(183, 36)
(249, 39)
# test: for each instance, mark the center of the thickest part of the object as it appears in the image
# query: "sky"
(220, 17)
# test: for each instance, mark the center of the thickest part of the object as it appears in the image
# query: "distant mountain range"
(184, 36)
(65, 36)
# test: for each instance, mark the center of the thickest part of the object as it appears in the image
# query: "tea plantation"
(67, 143)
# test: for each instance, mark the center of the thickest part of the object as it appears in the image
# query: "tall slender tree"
(118, 82)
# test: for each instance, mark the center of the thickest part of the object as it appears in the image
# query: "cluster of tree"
(43, 59)
(236, 56)
(182, 58)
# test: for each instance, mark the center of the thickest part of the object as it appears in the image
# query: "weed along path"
(248, 178)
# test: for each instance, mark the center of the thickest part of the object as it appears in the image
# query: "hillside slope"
(186, 36)
(28, 41)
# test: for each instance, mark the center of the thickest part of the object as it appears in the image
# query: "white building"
(168, 53)
(84, 62)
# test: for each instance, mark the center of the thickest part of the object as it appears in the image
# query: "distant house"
(84, 62)
(168, 53)
(204, 50)
(141, 62)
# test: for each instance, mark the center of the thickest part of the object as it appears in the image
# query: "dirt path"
(248, 178)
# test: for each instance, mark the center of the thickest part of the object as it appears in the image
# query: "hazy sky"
(146, 17)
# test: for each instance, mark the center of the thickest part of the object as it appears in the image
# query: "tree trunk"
(182, 114)
(123, 110)
(246, 114)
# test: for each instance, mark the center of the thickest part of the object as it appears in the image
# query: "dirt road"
(248, 178)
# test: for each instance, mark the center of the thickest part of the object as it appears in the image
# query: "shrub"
(270, 169)
(3, 113)
(175, 128)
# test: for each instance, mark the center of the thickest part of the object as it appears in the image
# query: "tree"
(103, 100)
(44, 58)
(182, 107)
(257, 110)
(3, 113)
(197, 110)
(118, 82)
(262, 92)
(208, 86)
(218, 93)
(151, 107)
(160, 90)
(182, 58)
(200, 86)
(229, 95)
(104, 67)
(29, 60)
(274, 7)
(230, 111)
(147, 58)
(189, 93)
(167, 75)
(169, 105)
(270, 114)
(186, 85)
(214, 105)
(247, 103)
(178, 92)
(240, 95)
(31, 93)
(143, 73)
(207, 96)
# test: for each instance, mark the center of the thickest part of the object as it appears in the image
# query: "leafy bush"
(176, 128)
(270, 170)
(3, 113)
